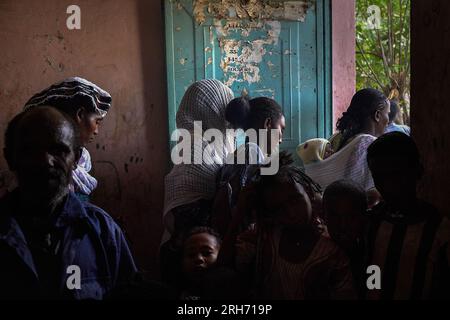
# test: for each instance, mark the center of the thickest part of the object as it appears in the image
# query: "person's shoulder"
(365, 138)
(100, 218)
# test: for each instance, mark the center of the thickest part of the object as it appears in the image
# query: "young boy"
(407, 238)
(345, 205)
(200, 250)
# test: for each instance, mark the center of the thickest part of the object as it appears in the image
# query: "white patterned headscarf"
(71, 94)
(203, 101)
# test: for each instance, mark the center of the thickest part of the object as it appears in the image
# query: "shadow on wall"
(151, 31)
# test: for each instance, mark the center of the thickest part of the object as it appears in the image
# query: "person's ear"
(80, 115)
(377, 116)
(268, 123)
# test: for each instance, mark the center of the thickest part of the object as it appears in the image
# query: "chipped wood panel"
(276, 53)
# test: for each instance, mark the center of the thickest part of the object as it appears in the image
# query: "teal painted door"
(281, 51)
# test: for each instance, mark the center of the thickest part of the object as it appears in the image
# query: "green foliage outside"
(383, 49)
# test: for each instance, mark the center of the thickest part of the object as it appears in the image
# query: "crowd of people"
(230, 231)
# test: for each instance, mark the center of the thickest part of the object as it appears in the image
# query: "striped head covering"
(204, 101)
(73, 92)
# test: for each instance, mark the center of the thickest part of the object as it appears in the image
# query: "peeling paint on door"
(241, 59)
(251, 9)
(266, 48)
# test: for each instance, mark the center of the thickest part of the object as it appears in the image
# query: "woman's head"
(257, 113)
(86, 103)
(368, 112)
(204, 101)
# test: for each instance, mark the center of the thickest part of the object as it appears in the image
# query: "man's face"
(44, 157)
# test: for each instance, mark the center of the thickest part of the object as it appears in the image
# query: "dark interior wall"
(430, 87)
(121, 48)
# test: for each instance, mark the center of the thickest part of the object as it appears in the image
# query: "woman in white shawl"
(365, 119)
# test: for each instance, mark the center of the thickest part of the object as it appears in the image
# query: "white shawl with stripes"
(204, 101)
(348, 163)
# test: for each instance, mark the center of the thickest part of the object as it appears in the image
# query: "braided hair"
(364, 104)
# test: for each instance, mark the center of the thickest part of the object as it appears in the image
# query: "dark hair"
(202, 229)
(13, 126)
(10, 133)
(245, 113)
(364, 104)
(394, 110)
(346, 188)
(394, 144)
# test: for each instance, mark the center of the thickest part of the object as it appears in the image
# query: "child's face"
(344, 220)
(395, 178)
(200, 253)
(288, 204)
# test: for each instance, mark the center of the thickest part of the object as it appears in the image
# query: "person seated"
(87, 104)
(292, 260)
(345, 205)
(393, 115)
(365, 119)
(314, 150)
(263, 122)
(52, 245)
(408, 239)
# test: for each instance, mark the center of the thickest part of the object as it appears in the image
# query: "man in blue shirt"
(392, 126)
(52, 246)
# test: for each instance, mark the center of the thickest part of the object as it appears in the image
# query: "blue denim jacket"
(91, 240)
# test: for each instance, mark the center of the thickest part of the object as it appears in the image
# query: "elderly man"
(52, 245)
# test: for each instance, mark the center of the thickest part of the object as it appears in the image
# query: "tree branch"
(368, 65)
